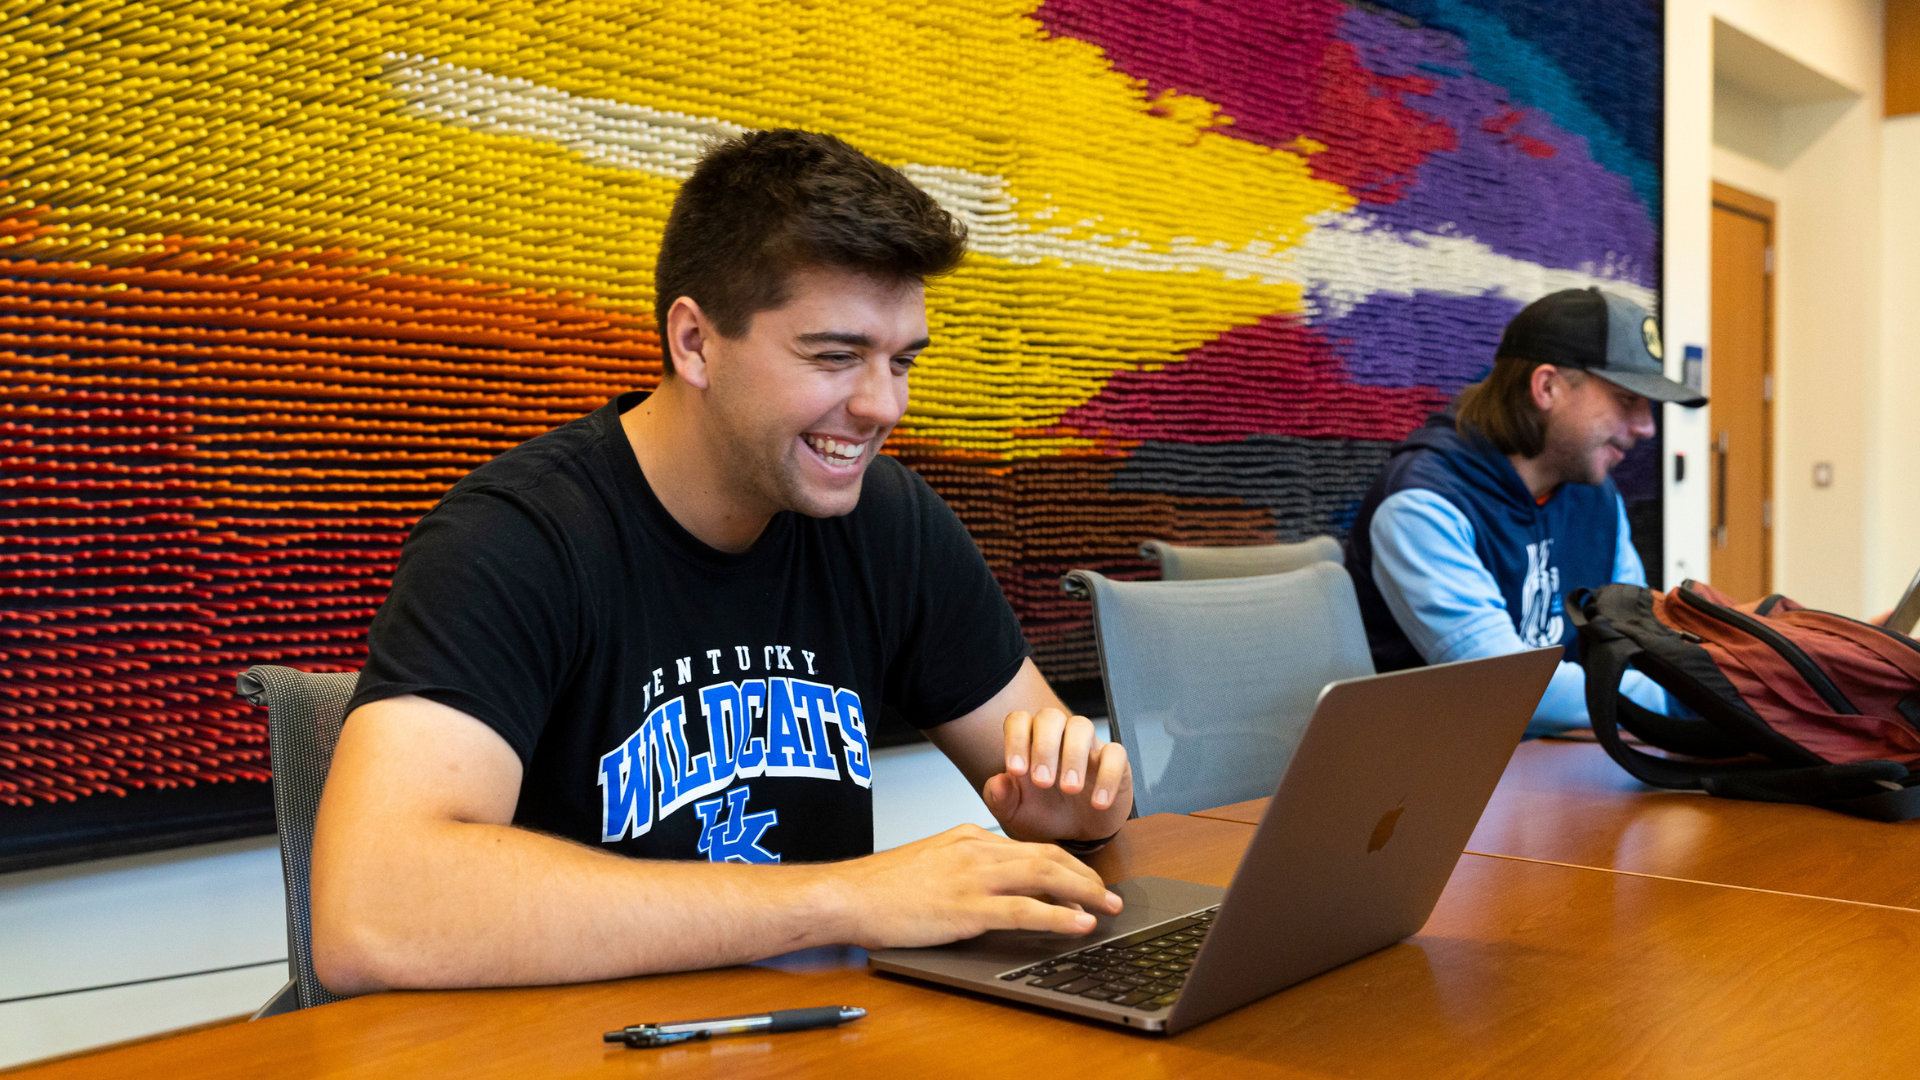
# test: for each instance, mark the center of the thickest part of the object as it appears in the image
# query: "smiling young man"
(614, 718)
(1486, 517)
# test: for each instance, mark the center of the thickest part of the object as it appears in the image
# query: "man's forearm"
(458, 904)
(420, 881)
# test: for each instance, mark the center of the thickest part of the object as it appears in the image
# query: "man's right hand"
(964, 882)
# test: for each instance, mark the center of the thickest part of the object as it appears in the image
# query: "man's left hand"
(1062, 782)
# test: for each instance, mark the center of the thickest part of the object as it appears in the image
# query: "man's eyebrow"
(858, 341)
(837, 337)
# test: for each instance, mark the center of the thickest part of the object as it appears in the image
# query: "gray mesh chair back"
(1210, 684)
(304, 715)
(1179, 562)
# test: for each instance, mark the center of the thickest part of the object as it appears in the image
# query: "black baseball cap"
(1597, 332)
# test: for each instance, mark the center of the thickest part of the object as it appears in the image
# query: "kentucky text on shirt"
(755, 727)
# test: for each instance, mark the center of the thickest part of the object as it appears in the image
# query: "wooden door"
(1740, 372)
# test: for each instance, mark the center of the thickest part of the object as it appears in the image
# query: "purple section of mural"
(1555, 205)
(1426, 339)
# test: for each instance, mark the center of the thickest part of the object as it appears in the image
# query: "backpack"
(1795, 705)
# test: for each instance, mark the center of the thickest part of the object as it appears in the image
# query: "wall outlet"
(1822, 474)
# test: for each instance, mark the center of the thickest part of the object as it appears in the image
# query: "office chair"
(1210, 684)
(1183, 563)
(304, 715)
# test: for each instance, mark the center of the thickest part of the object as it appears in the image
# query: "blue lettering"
(695, 771)
(669, 760)
(853, 733)
(783, 730)
(753, 749)
(720, 705)
(696, 777)
(738, 838)
(659, 748)
(626, 789)
(817, 700)
(787, 753)
(758, 727)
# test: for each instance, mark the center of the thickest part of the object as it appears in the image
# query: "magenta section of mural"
(1280, 71)
(1276, 377)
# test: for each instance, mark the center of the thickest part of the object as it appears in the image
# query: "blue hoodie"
(1453, 559)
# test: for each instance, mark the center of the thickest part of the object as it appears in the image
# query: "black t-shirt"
(669, 700)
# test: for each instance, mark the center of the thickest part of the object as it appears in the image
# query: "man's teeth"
(834, 448)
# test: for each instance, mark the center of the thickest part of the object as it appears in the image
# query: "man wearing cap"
(1490, 513)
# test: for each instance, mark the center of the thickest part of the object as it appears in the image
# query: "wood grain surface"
(1525, 969)
(1568, 802)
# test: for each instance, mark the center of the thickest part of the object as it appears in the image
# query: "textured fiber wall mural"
(273, 275)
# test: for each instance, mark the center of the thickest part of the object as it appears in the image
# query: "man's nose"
(1640, 418)
(877, 397)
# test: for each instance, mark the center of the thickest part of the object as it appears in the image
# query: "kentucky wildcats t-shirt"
(669, 700)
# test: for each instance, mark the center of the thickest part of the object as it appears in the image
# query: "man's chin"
(837, 502)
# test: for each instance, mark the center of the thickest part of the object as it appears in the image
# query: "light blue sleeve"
(1450, 608)
(1627, 567)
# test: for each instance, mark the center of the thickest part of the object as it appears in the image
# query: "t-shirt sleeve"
(480, 617)
(959, 642)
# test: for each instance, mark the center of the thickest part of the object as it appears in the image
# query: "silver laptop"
(1906, 613)
(1353, 851)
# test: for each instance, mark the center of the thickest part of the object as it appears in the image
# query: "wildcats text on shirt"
(772, 726)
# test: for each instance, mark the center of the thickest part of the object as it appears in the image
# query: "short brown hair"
(760, 207)
(1501, 406)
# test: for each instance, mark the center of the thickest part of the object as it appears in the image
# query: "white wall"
(120, 948)
(1839, 37)
(1686, 312)
(1835, 396)
(1893, 508)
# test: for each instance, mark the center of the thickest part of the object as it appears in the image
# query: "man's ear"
(1547, 386)
(687, 338)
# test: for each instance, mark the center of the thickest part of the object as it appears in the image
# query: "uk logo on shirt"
(1541, 621)
(736, 839)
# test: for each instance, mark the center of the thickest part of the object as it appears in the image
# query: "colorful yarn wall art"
(274, 275)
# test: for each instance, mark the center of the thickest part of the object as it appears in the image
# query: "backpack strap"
(1872, 789)
(1606, 653)
(1815, 786)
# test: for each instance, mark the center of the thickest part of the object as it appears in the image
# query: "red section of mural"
(1276, 68)
(1526, 144)
(1375, 143)
(1276, 377)
(1255, 59)
(208, 460)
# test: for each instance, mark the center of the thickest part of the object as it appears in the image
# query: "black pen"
(644, 1035)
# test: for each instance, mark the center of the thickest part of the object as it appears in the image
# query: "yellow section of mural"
(134, 125)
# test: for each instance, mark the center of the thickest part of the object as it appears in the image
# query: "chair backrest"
(1179, 562)
(304, 715)
(1210, 684)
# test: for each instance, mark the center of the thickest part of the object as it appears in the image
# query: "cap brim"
(1653, 387)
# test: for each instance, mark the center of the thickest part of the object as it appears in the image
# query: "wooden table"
(1567, 802)
(1525, 969)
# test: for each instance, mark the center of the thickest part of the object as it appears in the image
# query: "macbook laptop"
(1372, 814)
(1906, 613)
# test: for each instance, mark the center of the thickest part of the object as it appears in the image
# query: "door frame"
(1766, 212)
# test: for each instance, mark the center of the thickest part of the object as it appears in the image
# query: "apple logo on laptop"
(1383, 831)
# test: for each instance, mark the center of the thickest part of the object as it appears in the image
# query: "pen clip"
(645, 1036)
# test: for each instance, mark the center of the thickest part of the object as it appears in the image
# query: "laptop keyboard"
(1144, 970)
